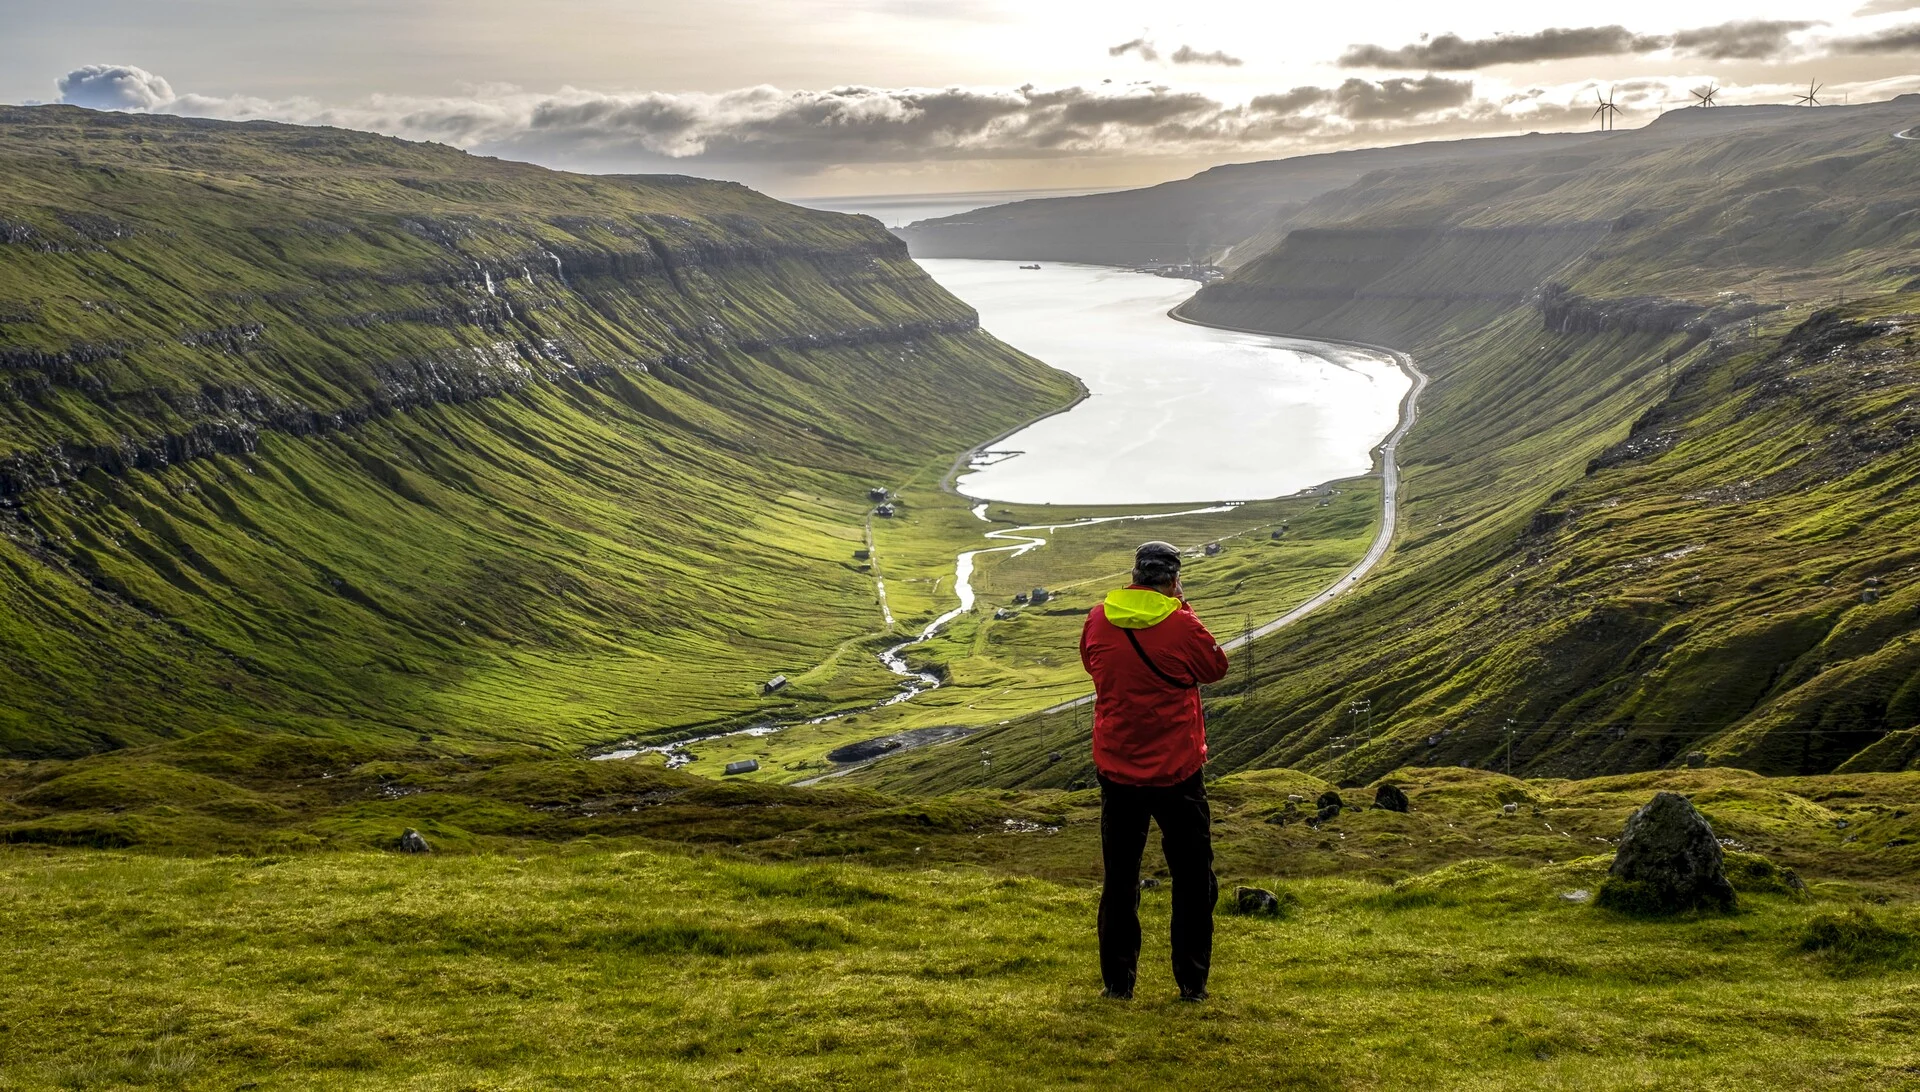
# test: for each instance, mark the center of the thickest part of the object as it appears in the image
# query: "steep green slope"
(1649, 480)
(337, 433)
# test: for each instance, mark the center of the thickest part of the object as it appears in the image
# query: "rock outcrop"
(1668, 861)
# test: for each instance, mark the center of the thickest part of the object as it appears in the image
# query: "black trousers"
(1186, 838)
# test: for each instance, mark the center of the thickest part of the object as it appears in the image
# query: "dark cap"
(1156, 563)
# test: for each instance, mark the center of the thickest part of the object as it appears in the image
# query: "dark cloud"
(1189, 55)
(1452, 53)
(1289, 102)
(1740, 40)
(1893, 40)
(115, 87)
(1399, 99)
(1138, 45)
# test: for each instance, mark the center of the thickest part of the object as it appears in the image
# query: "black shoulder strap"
(1154, 667)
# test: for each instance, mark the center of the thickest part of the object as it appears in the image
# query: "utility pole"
(1246, 642)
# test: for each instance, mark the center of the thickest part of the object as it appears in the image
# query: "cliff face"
(328, 430)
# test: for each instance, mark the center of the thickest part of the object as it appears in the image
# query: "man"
(1148, 655)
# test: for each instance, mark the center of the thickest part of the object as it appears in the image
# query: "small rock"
(1054, 756)
(1696, 759)
(1295, 798)
(1330, 812)
(1255, 900)
(1330, 799)
(1390, 798)
(1580, 895)
(412, 842)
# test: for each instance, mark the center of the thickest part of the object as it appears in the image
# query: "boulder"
(1330, 799)
(1390, 798)
(1255, 900)
(1330, 812)
(1668, 861)
(1696, 759)
(412, 842)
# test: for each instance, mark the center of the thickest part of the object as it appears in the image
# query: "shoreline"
(1385, 454)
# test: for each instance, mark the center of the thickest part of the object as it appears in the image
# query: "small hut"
(778, 682)
(1038, 596)
(1213, 549)
(885, 511)
(877, 493)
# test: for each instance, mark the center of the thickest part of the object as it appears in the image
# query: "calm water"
(1178, 413)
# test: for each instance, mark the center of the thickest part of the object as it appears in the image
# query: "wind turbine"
(1811, 98)
(1705, 95)
(1605, 110)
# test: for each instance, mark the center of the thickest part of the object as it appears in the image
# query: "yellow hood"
(1139, 608)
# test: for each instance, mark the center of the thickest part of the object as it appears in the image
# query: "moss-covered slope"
(1659, 498)
(333, 432)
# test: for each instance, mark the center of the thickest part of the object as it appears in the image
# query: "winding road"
(1908, 134)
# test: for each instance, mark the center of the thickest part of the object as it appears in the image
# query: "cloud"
(115, 87)
(1400, 98)
(1452, 53)
(773, 137)
(1904, 39)
(1740, 40)
(1138, 45)
(1885, 7)
(1189, 55)
(1289, 102)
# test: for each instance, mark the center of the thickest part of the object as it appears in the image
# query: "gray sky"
(879, 96)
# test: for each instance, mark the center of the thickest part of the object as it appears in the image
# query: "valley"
(361, 498)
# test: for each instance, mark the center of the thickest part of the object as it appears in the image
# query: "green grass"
(1431, 948)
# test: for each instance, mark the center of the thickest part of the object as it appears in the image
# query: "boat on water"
(1035, 265)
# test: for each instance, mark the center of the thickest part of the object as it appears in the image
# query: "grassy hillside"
(595, 922)
(340, 434)
(1659, 473)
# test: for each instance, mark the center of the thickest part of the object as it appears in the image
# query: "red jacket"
(1147, 731)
